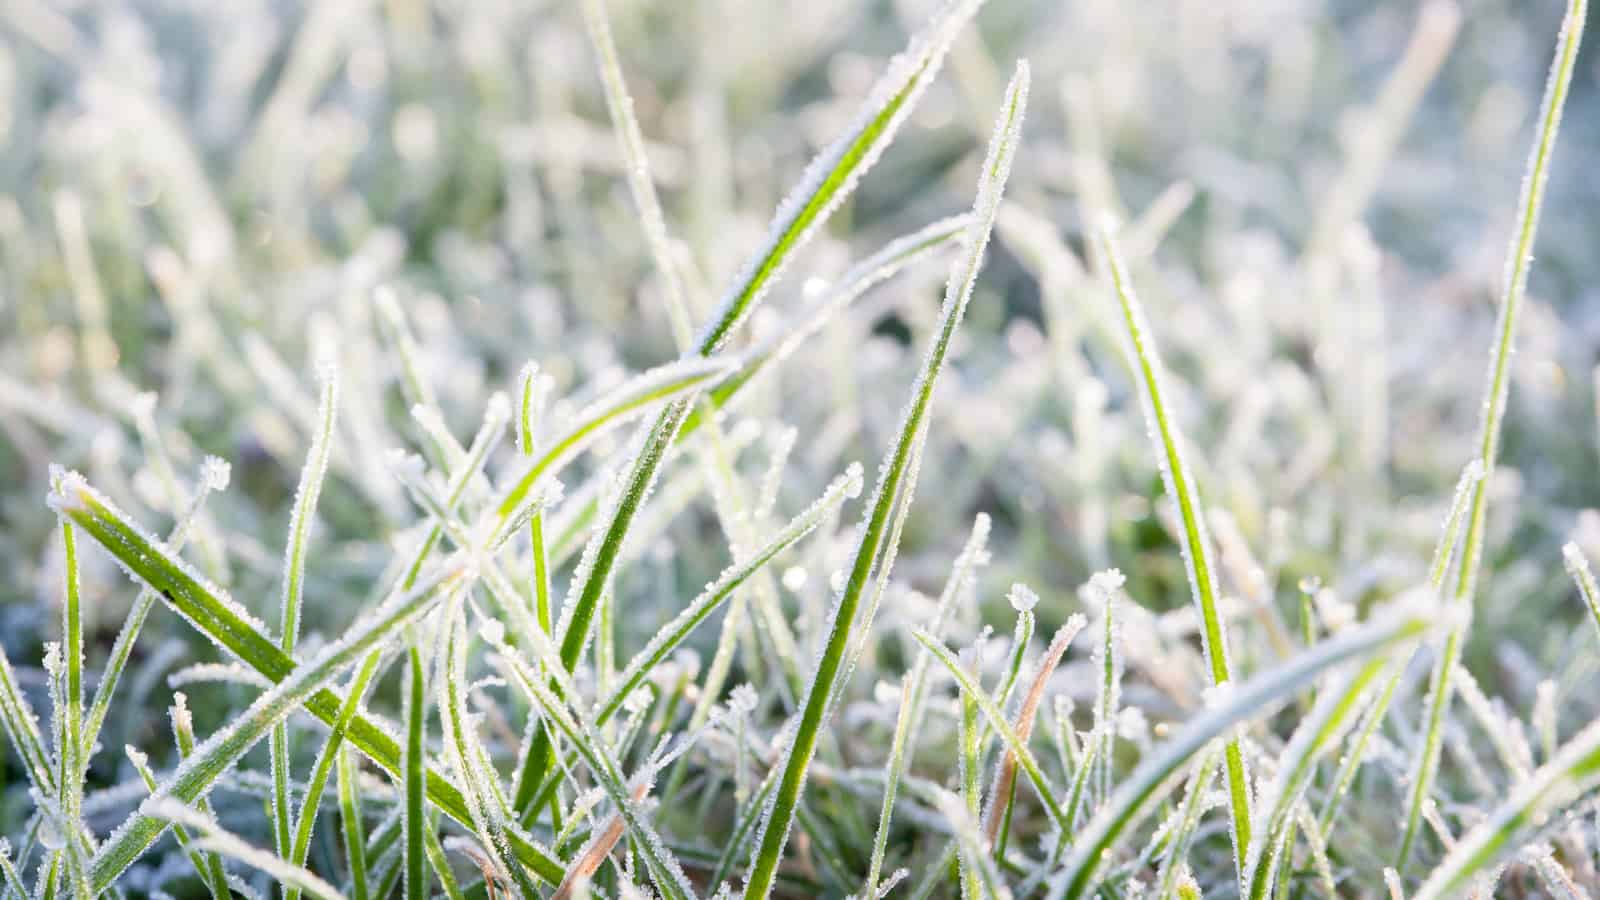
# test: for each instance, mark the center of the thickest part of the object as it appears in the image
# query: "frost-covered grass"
(435, 441)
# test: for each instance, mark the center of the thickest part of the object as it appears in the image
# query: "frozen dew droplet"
(794, 578)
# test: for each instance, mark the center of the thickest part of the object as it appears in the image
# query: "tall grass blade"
(1196, 543)
(831, 178)
(996, 168)
(294, 569)
(1518, 261)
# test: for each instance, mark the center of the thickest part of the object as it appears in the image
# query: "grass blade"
(1180, 485)
(913, 690)
(214, 614)
(1336, 708)
(294, 569)
(1519, 259)
(1139, 793)
(355, 838)
(416, 871)
(217, 755)
(213, 838)
(332, 750)
(996, 168)
(830, 178)
(1532, 806)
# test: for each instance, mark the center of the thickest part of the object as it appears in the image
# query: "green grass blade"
(213, 759)
(996, 168)
(355, 838)
(1335, 710)
(1518, 261)
(913, 692)
(664, 870)
(1196, 543)
(1574, 772)
(214, 474)
(214, 880)
(997, 721)
(1578, 567)
(831, 177)
(330, 753)
(1194, 806)
(672, 635)
(414, 820)
(213, 838)
(1140, 792)
(294, 570)
(214, 614)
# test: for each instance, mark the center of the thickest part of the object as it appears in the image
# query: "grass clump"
(542, 433)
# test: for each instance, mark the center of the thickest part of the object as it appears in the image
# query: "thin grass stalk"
(831, 178)
(351, 828)
(331, 751)
(1196, 543)
(996, 168)
(1189, 813)
(1145, 786)
(913, 690)
(294, 567)
(1518, 262)
(214, 613)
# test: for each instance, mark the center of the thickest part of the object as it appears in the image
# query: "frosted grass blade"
(913, 691)
(1335, 710)
(1531, 807)
(213, 838)
(1518, 261)
(332, 749)
(294, 569)
(213, 759)
(1180, 485)
(996, 168)
(414, 820)
(830, 178)
(214, 614)
(1247, 700)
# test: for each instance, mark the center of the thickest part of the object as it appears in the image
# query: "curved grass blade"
(1143, 789)
(1180, 485)
(1573, 773)
(1518, 261)
(214, 839)
(1335, 710)
(996, 168)
(830, 178)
